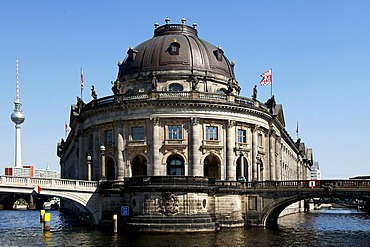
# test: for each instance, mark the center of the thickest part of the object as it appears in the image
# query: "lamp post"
(241, 153)
(89, 167)
(102, 154)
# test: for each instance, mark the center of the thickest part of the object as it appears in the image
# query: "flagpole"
(271, 83)
(297, 131)
(81, 81)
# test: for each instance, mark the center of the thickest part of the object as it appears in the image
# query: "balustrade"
(48, 182)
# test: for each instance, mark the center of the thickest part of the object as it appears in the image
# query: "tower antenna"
(17, 118)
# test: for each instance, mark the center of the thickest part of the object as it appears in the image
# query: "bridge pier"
(31, 203)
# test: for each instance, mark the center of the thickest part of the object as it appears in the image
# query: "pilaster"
(195, 147)
(230, 145)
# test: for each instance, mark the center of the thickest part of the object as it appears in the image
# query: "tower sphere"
(17, 117)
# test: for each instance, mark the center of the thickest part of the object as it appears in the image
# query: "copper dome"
(174, 48)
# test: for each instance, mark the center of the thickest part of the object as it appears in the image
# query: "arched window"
(139, 166)
(175, 166)
(239, 172)
(110, 169)
(175, 87)
(212, 167)
(174, 48)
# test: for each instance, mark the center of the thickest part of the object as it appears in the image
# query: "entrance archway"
(139, 166)
(110, 169)
(212, 167)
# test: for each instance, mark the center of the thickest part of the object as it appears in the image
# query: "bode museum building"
(174, 134)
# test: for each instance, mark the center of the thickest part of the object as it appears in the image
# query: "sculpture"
(116, 87)
(93, 93)
(254, 95)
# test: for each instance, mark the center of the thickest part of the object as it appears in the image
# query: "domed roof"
(176, 47)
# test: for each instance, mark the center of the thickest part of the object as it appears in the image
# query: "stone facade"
(176, 111)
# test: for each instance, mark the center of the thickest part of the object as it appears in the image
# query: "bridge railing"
(48, 182)
(290, 184)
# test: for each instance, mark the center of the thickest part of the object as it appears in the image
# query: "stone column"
(230, 145)
(81, 155)
(278, 159)
(120, 150)
(157, 163)
(241, 150)
(272, 155)
(196, 138)
(254, 153)
(95, 173)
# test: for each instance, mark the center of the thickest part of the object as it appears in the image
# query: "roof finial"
(167, 20)
(194, 25)
(156, 25)
(183, 21)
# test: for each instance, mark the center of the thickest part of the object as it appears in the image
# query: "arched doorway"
(110, 169)
(139, 166)
(245, 170)
(175, 165)
(212, 167)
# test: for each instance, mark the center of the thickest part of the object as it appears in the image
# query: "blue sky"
(319, 52)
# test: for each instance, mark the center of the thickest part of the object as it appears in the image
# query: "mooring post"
(47, 222)
(42, 215)
(114, 223)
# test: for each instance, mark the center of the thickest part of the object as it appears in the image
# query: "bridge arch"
(82, 194)
(86, 206)
(270, 214)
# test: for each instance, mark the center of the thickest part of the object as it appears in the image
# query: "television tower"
(17, 118)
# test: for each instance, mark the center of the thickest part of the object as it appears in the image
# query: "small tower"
(17, 118)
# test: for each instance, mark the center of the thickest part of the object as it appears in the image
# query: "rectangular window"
(175, 132)
(108, 137)
(137, 133)
(242, 136)
(211, 133)
(91, 141)
(260, 140)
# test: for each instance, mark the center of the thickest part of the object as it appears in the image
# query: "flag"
(37, 189)
(266, 78)
(66, 129)
(82, 80)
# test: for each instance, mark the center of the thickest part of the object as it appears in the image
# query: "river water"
(327, 227)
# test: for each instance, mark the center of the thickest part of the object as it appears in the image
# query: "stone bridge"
(266, 200)
(83, 194)
(256, 203)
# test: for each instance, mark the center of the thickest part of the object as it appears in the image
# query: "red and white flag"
(266, 78)
(37, 189)
(82, 80)
(66, 129)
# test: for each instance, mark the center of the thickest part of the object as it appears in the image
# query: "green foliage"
(20, 201)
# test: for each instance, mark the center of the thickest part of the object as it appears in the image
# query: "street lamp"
(102, 154)
(89, 167)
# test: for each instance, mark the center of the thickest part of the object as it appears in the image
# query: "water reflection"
(316, 228)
